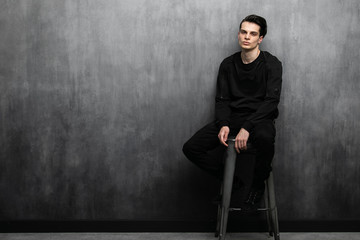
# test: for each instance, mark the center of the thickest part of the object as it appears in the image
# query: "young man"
(247, 96)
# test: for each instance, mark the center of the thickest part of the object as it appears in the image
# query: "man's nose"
(247, 36)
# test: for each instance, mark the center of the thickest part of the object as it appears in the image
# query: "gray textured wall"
(97, 98)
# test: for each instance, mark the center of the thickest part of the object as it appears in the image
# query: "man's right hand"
(223, 135)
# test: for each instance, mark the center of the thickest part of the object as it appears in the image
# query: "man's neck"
(249, 56)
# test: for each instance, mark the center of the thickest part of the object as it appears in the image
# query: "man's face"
(249, 36)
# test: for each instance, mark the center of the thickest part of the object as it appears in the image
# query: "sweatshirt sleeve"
(222, 98)
(268, 107)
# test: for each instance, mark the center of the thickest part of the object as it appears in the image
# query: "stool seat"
(226, 189)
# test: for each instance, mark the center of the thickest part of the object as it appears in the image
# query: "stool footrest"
(257, 209)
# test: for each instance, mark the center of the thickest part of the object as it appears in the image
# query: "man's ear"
(260, 39)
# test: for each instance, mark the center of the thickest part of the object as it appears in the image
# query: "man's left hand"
(241, 140)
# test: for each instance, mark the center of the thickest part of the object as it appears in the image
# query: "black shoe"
(253, 199)
(255, 195)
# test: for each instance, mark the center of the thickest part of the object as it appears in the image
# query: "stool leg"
(227, 187)
(267, 206)
(273, 208)
(218, 219)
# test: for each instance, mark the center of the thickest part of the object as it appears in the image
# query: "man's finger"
(237, 146)
(243, 145)
(224, 141)
(225, 137)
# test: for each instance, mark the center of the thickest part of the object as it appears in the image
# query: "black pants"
(205, 150)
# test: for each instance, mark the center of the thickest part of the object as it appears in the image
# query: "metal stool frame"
(224, 206)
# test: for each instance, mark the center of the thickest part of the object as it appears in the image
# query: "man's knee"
(264, 138)
(188, 150)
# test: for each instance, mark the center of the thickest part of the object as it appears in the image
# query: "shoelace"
(252, 197)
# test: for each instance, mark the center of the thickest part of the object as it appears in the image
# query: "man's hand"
(241, 140)
(223, 135)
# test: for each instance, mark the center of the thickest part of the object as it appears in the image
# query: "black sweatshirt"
(252, 89)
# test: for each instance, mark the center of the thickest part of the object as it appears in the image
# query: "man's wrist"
(244, 129)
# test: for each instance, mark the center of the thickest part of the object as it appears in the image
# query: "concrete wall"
(97, 98)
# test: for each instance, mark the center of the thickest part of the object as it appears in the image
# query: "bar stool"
(226, 188)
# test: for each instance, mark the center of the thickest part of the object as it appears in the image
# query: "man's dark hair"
(259, 21)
